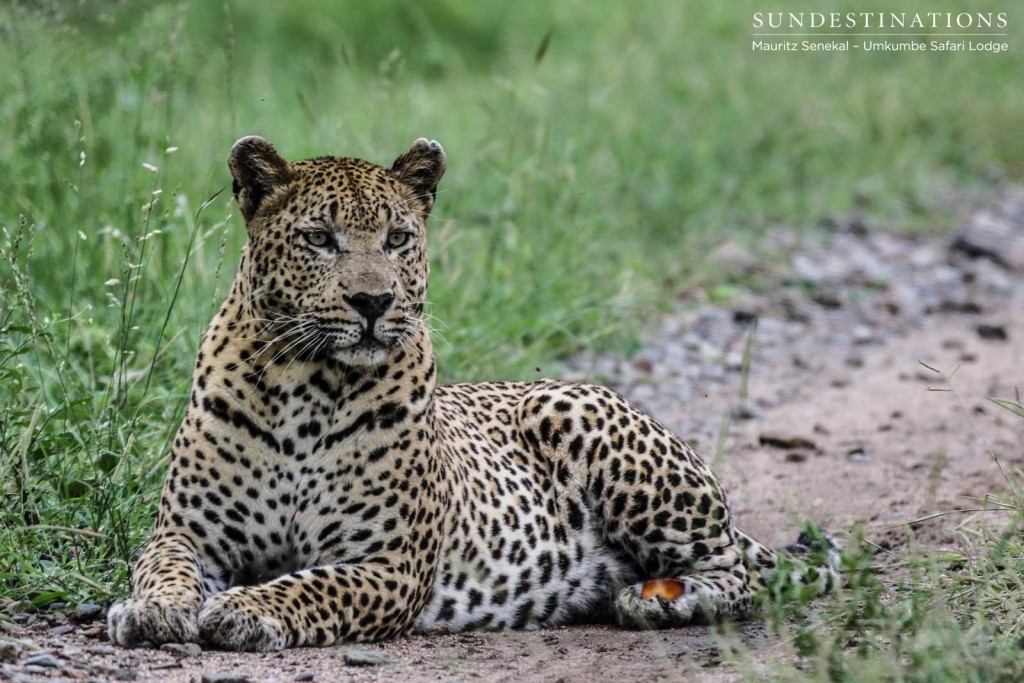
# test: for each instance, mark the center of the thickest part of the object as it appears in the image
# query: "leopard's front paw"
(133, 622)
(235, 620)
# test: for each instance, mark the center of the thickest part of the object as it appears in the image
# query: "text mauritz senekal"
(873, 45)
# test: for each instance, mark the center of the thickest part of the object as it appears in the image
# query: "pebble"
(744, 411)
(97, 631)
(304, 677)
(9, 650)
(862, 334)
(101, 650)
(366, 658)
(87, 611)
(179, 650)
(857, 455)
(44, 659)
(63, 630)
(216, 677)
(776, 440)
(125, 674)
(743, 316)
(992, 332)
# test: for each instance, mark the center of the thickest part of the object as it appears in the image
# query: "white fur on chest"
(510, 563)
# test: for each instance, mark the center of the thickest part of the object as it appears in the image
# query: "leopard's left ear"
(421, 168)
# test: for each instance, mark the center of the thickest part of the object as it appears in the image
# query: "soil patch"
(819, 395)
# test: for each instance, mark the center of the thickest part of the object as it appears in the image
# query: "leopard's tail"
(803, 570)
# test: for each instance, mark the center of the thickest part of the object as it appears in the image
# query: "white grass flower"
(112, 282)
(170, 150)
(150, 167)
(81, 235)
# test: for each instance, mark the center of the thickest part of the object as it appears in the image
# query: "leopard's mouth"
(357, 344)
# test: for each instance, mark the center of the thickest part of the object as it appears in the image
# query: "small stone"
(980, 244)
(828, 300)
(304, 677)
(125, 674)
(44, 659)
(786, 441)
(97, 631)
(862, 334)
(745, 411)
(366, 658)
(643, 364)
(63, 630)
(734, 361)
(742, 316)
(955, 306)
(101, 649)
(180, 650)
(9, 650)
(87, 611)
(796, 456)
(992, 332)
(215, 677)
(857, 455)
(6, 673)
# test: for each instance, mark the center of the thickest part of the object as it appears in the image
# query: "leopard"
(324, 486)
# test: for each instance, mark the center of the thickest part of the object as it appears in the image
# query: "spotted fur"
(323, 486)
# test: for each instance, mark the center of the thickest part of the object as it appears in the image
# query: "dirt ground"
(823, 411)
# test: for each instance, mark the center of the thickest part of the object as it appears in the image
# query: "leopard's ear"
(257, 169)
(421, 168)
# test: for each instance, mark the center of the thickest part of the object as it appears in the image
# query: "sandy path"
(835, 363)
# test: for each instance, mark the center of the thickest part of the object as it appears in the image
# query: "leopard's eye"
(317, 238)
(398, 239)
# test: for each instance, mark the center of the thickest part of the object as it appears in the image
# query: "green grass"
(596, 151)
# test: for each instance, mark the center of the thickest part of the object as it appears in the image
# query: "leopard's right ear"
(257, 169)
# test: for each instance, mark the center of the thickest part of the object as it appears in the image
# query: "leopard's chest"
(302, 483)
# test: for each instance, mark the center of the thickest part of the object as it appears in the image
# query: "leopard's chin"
(365, 353)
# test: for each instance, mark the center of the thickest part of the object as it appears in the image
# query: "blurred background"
(598, 150)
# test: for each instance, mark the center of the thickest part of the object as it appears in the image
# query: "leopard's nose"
(370, 306)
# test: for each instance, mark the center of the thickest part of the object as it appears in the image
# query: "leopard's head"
(336, 264)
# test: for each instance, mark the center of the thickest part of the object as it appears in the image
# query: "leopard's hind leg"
(657, 504)
(655, 501)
